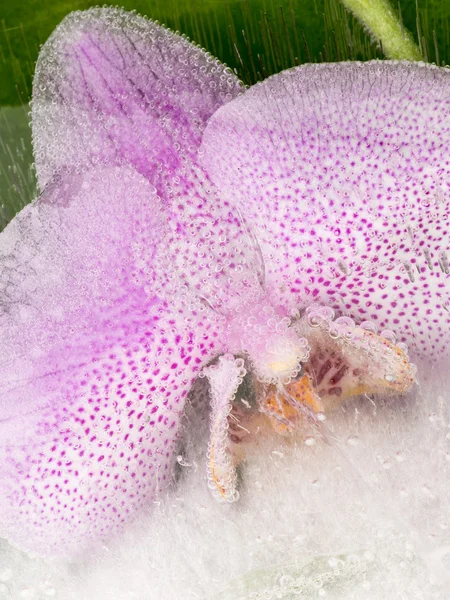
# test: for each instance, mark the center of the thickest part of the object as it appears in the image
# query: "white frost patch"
(366, 517)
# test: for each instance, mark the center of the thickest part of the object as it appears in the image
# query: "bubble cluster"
(317, 578)
(347, 359)
(265, 334)
(113, 87)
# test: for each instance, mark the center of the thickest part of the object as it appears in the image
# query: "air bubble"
(50, 591)
(286, 581)
(334, 562)
(333, 332)
(327, 313)
(313, 320)
(345, 322)
(400, 457)
(389, 335)
(426, 490)
(369, 326)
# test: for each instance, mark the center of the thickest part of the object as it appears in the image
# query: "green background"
(255, 37)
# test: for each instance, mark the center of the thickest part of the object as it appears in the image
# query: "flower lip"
(340, 360)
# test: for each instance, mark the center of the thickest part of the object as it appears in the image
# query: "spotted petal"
(112, 87)
(342, 170)
(94, 366)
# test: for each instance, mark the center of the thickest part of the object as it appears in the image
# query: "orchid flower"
(269, 240)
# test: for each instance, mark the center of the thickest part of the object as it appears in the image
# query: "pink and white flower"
(183, 218)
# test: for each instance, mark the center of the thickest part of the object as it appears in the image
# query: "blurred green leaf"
(17, 181)
(255, 37)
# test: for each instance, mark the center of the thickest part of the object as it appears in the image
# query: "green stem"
(383, 24)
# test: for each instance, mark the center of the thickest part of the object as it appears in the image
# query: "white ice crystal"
(366, 517)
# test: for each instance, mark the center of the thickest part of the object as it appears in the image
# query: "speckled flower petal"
(113, 87)
(94, 367)
(343, 171)
(211, 248)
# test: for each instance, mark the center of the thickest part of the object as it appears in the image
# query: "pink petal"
(209, 244)
(94, 366)
(113, 87)
(343, 172)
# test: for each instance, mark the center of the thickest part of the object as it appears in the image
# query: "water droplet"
(333, 562)
(400, 457)
(390, 377)
(286, 580)
(310, 441)
(389, 335)
(426, 490)
(333, 332)
(49, 590)
(313, 320)
(369, 326)
(345, 322)
(6, 574)
(182, 462)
